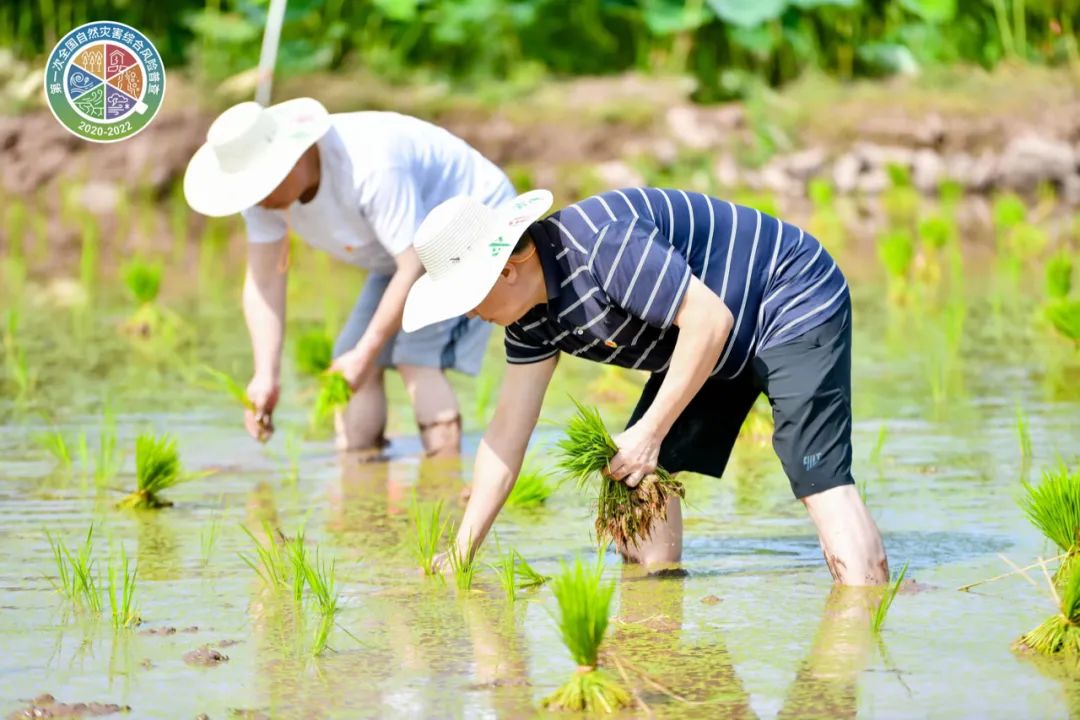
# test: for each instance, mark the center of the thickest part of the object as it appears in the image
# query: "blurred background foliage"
(726, 45)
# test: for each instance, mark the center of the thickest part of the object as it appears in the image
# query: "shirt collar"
(547, 247)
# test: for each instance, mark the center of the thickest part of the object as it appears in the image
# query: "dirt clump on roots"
(205, 656)
(46, 706)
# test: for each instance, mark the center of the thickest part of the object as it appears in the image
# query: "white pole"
(268, 55)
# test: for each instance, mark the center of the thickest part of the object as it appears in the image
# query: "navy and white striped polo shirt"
(617, 266)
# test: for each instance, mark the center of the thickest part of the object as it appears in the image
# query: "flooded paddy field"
(961, 391)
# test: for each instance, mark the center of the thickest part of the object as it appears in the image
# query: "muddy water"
(753, 629)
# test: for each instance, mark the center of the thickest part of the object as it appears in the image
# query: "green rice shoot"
(1059, 277)
(269, 562)
(1053, 507)
(527, 577)
(143, 280)
(296, 553)
(122, 591)
(881, 610)
(428, 530)
(226, 383)
(107, 459)
(1060, 635)
(897, 252)
(462, 564)
(624, 514)
(314, 353)
(584, 605)
(157, 468)
(334, 393)
(1064, 315)
(321, 580)
(1023, 433)
(54, 443)
(533, 487)
(77, 579)
(506, 572)
(208, 541)
(879, 444)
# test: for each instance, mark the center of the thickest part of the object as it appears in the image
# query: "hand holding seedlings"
(262, 395)
(638, 455)
(624, 514)
(354, 366)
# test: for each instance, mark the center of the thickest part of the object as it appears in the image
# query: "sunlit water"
(753, 630)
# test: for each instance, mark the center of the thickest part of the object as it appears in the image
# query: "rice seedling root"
(590, 690)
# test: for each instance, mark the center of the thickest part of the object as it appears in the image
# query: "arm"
(704, 323)
(264, 312)
(390, 199)
(386, 322)
(498, 459)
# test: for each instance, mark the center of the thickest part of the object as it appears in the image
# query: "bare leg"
(436, 409)
(362, 424)
(849, 538)
(665, 542)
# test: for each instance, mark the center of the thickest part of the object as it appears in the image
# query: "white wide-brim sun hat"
(248, 151)
(464, 245)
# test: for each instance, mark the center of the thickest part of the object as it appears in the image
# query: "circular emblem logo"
(104, 81)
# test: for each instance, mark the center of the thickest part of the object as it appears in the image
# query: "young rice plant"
(584, 601)
(157, 468)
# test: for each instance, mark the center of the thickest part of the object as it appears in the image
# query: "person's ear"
(510, 272)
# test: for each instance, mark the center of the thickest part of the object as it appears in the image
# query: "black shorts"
(808, 383)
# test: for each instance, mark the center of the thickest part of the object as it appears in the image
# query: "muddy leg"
(665, 542)
(361, 425)
(849, 538)
(436, 409)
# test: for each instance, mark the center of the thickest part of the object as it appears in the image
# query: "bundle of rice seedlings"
(1059, 277)
(314, 352)
(1064, 315)
(584, 604)
(157, 468)
(1053, 507)
(143, 280)
(334, 393)
(624, 514)
(533, 487)
(897, 251)
(1060, 634)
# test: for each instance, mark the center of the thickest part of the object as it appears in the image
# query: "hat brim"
(463, 288)
(213, 191)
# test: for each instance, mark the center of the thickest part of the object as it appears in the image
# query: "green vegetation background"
(725, 44)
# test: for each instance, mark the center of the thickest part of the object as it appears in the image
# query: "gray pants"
(458, 343)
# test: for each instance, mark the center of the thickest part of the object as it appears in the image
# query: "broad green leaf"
(403, 10)
(811, 4)
(665, 17)
(935, 11)
(747, 13)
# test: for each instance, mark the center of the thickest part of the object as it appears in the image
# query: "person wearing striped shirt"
(718, 302)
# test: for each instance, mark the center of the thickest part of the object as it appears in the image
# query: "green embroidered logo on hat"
(497, 244)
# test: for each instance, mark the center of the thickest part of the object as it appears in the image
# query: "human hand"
(354, 366)
(263, 392)
(638, 455)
